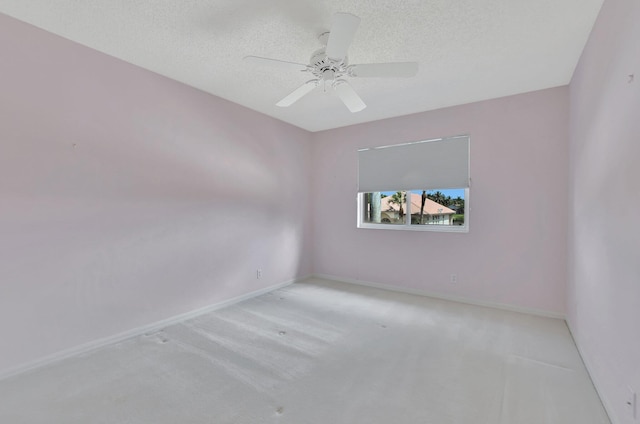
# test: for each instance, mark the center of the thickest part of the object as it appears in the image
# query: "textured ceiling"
(468, 50)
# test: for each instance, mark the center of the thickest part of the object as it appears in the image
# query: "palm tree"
(424, 199)
(398, 198)
(458, 205)
(439, 198)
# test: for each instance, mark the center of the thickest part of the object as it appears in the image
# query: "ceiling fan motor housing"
(325, 68)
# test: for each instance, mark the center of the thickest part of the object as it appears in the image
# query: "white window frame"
(407, 226)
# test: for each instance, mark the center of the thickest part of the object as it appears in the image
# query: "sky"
(453, 193)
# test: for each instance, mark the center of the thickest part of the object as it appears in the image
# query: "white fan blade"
(298, 93)
(349, 97)
(343, 29)
(275, 63)
(384, 70)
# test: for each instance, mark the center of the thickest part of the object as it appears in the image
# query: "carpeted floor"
(322, 352)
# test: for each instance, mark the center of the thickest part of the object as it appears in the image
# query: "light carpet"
(322, 352)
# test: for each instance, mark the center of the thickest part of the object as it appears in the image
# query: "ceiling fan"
(330, 67)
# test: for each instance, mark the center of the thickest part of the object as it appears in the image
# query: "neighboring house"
(433, 213)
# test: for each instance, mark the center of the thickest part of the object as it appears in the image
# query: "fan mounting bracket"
(324, 38)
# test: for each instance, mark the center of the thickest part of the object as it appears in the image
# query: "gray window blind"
(423, 165)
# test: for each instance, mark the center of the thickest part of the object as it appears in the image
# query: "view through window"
(444, 207)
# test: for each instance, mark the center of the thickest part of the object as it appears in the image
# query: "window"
(415, 186)
(445, 207)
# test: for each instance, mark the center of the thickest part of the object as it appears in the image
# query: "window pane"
(437, 207)
(384, 208)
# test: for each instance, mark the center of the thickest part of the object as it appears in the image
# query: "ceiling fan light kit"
(330, 67)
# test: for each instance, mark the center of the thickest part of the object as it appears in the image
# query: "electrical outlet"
(258, 274)
(454, 278)
(631, 403)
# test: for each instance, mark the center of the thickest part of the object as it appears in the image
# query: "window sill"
(418, 228)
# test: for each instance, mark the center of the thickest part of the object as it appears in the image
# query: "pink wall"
(515, 251)
(604, 238)
(127, 198)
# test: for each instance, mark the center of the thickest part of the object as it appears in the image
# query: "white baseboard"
(443, 296)
(594, 381)
(96, 344)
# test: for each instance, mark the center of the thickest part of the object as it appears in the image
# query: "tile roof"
(430, 207)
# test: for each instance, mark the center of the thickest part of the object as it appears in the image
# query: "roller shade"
(423, 165)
